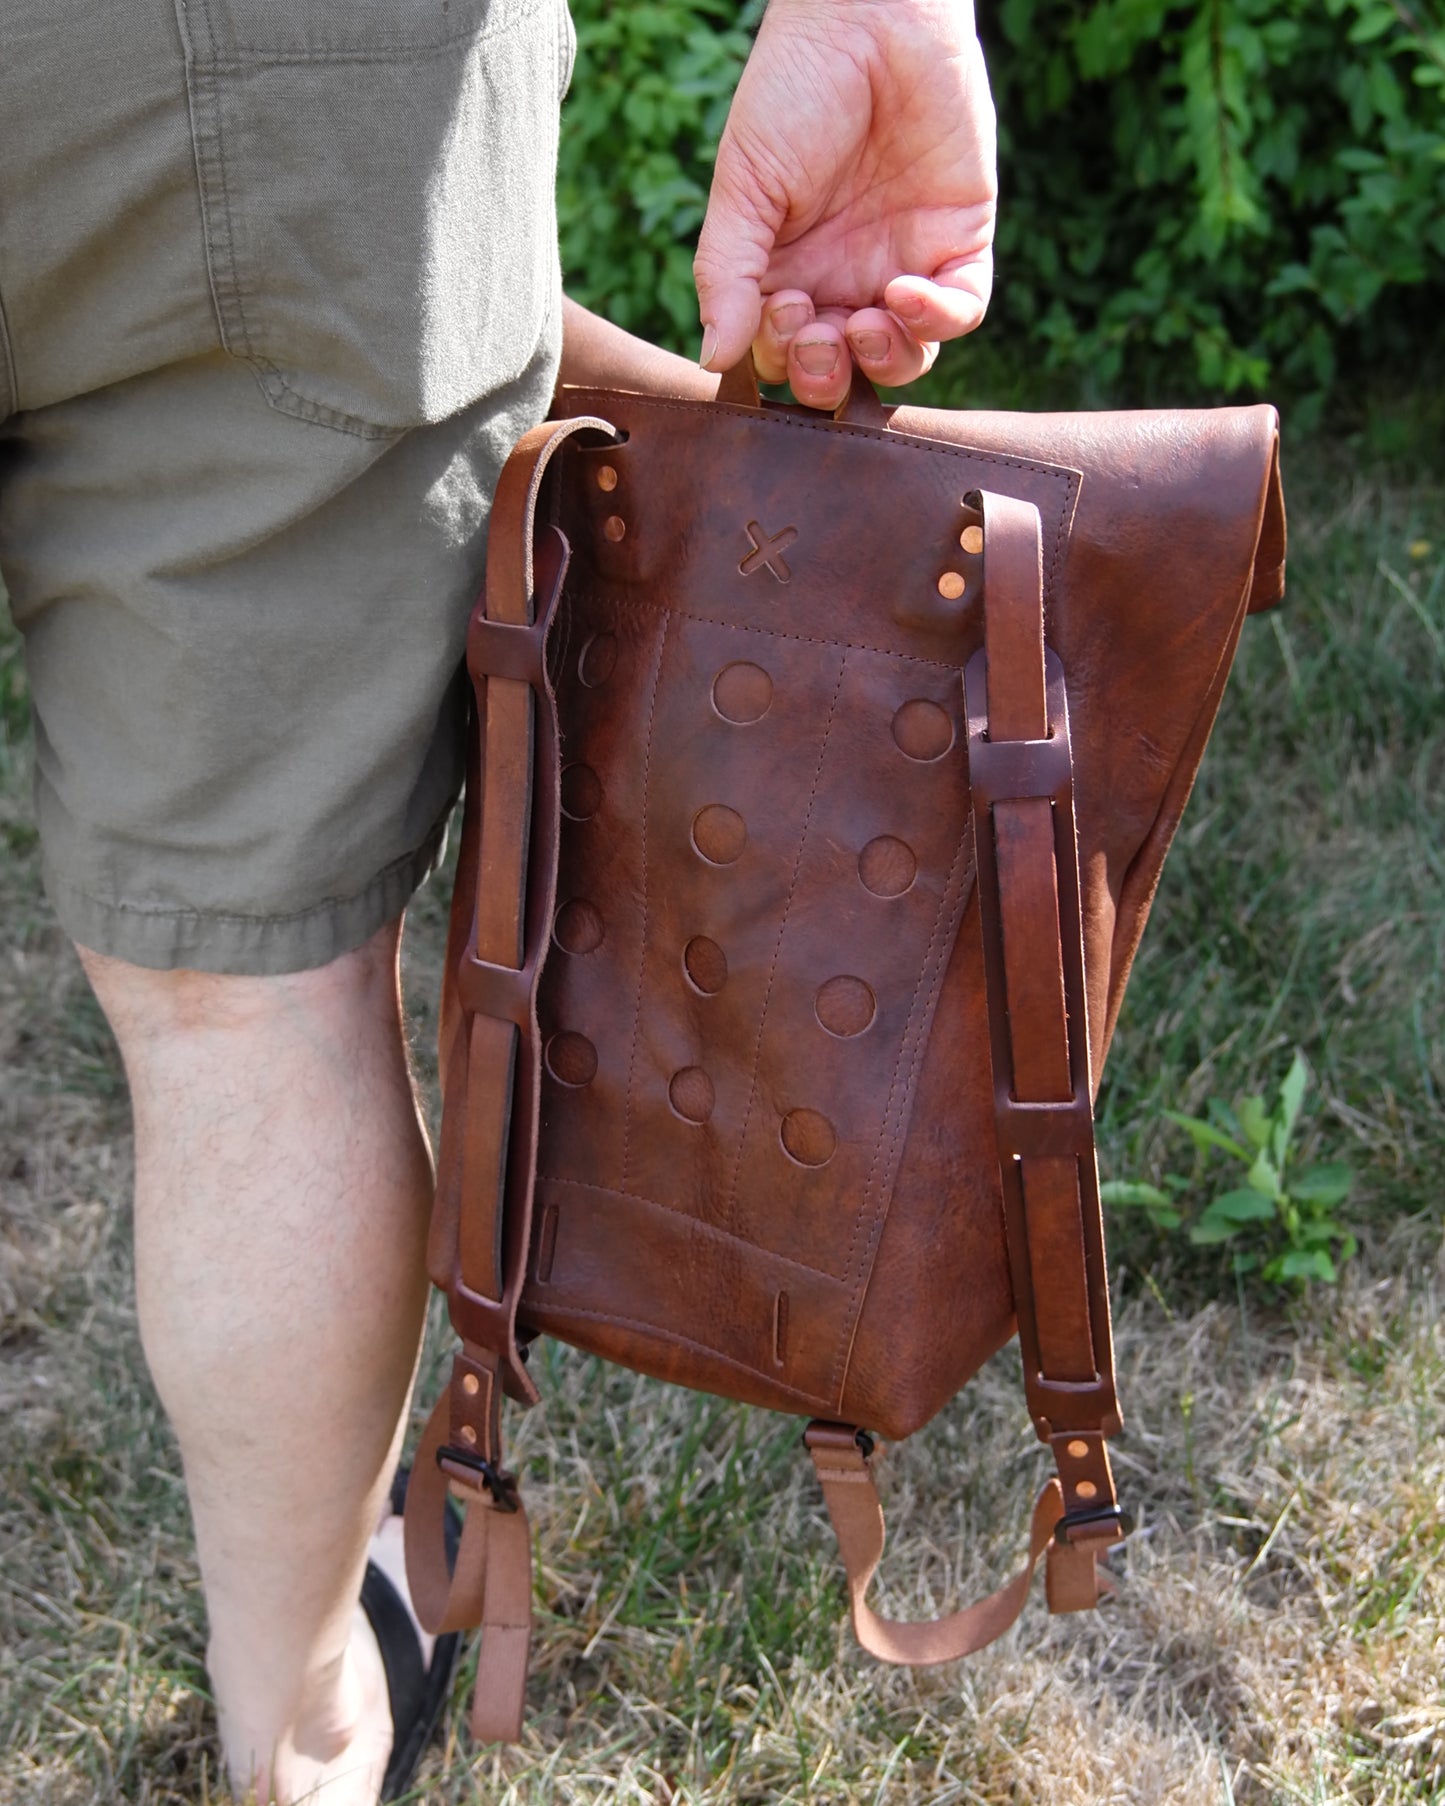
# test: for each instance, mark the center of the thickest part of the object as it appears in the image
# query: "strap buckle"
(1094, 1526)
(502, 1486)
(823, 1434)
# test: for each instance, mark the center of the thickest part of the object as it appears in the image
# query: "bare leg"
(282, 1183)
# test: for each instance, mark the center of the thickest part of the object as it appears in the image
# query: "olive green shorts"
(280, 290)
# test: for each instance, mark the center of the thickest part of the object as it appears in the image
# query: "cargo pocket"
(377, 186)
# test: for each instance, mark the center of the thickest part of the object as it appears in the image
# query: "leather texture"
(823, 776)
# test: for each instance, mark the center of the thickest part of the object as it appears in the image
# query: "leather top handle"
(738, 387)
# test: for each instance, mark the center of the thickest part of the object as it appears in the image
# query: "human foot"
(362, 1737)
(416, 1668)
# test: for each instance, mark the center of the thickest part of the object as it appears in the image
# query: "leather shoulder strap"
(492, 1078)
(1021, 781)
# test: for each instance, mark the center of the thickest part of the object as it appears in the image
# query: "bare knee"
(155, 1013)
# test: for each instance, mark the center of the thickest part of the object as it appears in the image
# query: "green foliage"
(1219, 194)
(1197, 198)
(1281, 1219)
(649, 99)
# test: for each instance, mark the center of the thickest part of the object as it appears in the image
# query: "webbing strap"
(843, 1465)
(490, 1585)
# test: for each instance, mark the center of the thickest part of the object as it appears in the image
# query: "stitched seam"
(903, 1051)
(301, 407)
(239, 57)
(883, 436)
(812, 1399)
(601, 599)
(9, 375)
(1065, 508)
(636, 1197)
(912, 1034)
(782, 930)
(117, 907)
(642, 957)
(230, 311)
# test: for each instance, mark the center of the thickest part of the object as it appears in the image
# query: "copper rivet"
(471, 1385)
(606, 477)
(1086, 1489)
(1078, 1449)
(952, 585)
(468, 1434)
(971, 539)
(614, 527)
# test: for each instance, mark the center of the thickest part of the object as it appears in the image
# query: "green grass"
(1280, 1632)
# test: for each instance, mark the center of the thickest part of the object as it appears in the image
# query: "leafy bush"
(1221, 190)
(1197, 197)
(649, 98)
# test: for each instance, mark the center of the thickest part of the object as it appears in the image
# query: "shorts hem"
(166, 940)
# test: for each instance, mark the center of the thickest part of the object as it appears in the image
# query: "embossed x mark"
(768, 549)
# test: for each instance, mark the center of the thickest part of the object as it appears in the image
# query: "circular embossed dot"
(614, 527)
(571, 1059)
(971, 539)
(887, 867)
(923, 730)
(742, 693)
(578, 928)
(809, 1137)
(598, 657)
(845, 1006)
(952, 585)
(706, 965)
(719, 833)
(581, 792)
(606, 477)
(691, 1094)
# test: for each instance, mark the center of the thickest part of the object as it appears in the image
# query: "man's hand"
(852, 204)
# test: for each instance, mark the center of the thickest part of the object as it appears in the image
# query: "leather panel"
(821, 566)
(700, 1301)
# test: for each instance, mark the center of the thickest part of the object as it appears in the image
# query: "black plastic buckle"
(862, 1438)
(1084, 1520)
(502, 1486)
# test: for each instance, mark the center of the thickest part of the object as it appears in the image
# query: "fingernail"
(709, 347)
(909, 307)
(820, 358)
(874, 346)
(787, 320)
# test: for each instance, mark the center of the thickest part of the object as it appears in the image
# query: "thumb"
(733, 250)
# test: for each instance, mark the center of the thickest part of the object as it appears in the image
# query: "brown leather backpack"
(824, 772)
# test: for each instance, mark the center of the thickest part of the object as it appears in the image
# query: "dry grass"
(1279, 1634)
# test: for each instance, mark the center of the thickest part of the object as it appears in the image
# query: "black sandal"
(418, 1694)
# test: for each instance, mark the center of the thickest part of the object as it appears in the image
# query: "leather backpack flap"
(766, 1162)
